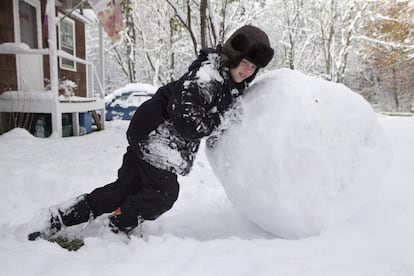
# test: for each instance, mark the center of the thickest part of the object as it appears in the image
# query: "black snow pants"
(141, 190)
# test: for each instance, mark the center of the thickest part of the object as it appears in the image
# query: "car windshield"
(133, 98)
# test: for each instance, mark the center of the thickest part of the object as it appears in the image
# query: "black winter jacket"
(165, 131)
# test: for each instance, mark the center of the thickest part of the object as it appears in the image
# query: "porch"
(28, 93)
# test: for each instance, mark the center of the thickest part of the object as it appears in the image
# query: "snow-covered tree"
(114, 76)
(367, 45)
(292, 30)
(338, 23)
(388, 41)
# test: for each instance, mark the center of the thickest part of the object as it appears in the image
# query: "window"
(67, 42)
(28, 24)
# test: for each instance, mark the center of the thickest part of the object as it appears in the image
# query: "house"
(43, 66)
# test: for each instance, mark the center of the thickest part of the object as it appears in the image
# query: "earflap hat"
(247, 42)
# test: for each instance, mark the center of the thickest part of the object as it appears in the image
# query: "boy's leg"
(102, 200)
(69, 213)
(158, 195)
(108, 198)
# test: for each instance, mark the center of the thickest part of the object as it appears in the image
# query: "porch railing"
(92, 76)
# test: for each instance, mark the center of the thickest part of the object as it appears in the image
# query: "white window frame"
(26, 60)
(36, 5)
(63, 61)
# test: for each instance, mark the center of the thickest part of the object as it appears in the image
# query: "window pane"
(67, 42)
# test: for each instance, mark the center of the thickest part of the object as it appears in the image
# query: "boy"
(164, 136)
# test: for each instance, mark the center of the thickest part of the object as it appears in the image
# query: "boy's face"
(243, 71)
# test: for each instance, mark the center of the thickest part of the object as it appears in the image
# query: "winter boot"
(70, 213)
(75, 211)
(51, 227)
(122, 224)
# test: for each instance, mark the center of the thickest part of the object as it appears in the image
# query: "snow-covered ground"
(304, 144)
(203, 234)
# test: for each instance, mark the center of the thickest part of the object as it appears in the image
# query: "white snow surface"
(20, 48)
(204, 234)
(307, 155)
(8, 46)
(26, 95)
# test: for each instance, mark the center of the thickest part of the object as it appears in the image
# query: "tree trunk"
(203, 23)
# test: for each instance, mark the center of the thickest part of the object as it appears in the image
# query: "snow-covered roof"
(82, 17)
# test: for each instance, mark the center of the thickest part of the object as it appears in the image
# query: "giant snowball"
(307, 155)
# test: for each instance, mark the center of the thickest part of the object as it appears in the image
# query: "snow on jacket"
(166, 130)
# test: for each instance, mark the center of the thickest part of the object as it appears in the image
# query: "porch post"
(101, 59)
(53, 64)
(102, 71)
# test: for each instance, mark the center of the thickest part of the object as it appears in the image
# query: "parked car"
(122, 103)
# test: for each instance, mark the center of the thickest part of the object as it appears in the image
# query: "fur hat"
(247, 42)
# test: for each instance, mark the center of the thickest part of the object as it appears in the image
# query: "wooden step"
(97, 120)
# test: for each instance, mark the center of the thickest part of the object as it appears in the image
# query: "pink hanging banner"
(110, 16)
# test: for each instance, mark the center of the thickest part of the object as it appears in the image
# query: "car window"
(123, 97)
(132, 98)
(136, 98)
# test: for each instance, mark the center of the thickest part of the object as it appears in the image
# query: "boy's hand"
(115, 213)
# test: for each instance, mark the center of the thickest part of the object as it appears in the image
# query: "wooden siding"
(8, 76)
(78, 77)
